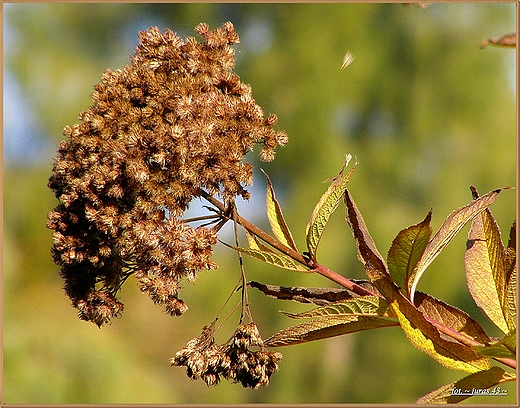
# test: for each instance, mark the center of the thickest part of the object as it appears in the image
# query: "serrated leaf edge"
(273, 258)
(326, 205)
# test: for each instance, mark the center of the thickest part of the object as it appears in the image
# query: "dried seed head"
(233, 361)
(99, 307)
(173, 122)
(247, 335)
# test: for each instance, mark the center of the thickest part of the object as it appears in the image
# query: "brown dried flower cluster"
(162, 131)
(233, 360)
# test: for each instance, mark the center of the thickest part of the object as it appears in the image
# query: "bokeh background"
(425, 110)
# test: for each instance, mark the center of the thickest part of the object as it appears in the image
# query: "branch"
(342, 281)
(253, 229)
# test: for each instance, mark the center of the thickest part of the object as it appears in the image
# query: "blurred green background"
(426, 112)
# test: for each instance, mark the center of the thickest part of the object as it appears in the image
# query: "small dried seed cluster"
(234, 361)
(175, 122)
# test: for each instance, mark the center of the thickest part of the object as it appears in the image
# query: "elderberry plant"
(174, 126)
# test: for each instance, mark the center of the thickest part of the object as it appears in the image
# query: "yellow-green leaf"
(450, 316)
(510, 297)
(274, 258)
(363, 305)
(348, 316)
(503, 348)
(326, 206)
(323, 328)
(485, 264)
(421, 332)
(276, 219)
(424, 336)
(451, 226)
(406, 250)
(479, 259)
(255, 243)
(462, 389)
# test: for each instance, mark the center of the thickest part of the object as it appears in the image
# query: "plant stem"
(314, 266)
(342, 281)
(510, 362)
(253, 229)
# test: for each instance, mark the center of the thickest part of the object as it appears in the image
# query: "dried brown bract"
(173, 124)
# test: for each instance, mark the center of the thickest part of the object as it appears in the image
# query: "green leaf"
(326, 206)
(323, 328)
(276, 219)
(277, 259)
(405, 252)
(462, 389)
(480, 275)
(485, 264)
(502, 348)
(255, 243)
(451, 226)
(362, 313)
(363, 305)
(421, 333)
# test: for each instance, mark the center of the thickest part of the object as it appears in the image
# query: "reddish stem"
(290, 252)
(342, 281)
